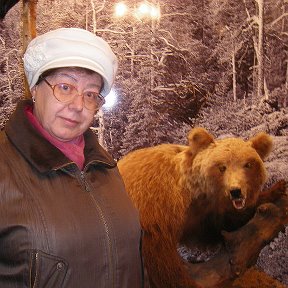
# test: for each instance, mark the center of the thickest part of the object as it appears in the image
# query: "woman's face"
(65, 121)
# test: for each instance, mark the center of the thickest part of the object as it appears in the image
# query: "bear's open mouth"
(237, 198)
(238, 203)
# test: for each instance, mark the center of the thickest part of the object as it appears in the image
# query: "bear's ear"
(199, 139)
(262, 143)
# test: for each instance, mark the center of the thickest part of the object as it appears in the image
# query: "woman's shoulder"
(3, 141)
(7, 150)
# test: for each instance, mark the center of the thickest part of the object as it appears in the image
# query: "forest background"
(219, 64)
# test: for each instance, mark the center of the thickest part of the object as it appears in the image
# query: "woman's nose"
(77, 103)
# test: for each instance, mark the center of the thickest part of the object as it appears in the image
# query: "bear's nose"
(235, 193)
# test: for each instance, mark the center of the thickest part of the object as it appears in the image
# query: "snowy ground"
(274, 258)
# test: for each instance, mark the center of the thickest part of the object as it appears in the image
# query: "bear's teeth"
(238, 203)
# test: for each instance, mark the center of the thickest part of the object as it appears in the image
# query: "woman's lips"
(69, 121)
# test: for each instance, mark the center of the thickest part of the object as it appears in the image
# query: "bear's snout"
(235, 193)
(237, 198)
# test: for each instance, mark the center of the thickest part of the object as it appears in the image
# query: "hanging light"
(120, 9)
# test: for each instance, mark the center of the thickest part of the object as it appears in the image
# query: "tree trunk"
(94, 22)
(132, 53)
(29, 21)
(28, 32)
(260, 80)
(100, 113)
(234, 75)
(101, 128)
(283, 31)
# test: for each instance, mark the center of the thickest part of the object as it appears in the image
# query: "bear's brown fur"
(181, 189)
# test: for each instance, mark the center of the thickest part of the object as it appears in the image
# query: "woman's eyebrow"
(66, 75)
(94, 85)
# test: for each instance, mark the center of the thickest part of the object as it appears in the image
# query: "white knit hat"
(70, 47)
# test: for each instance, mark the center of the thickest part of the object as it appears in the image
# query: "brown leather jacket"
(59, 226)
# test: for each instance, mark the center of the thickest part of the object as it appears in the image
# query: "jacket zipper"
(106, 227)
(35, 260)
(84, 182)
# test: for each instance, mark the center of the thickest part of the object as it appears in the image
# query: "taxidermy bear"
(191, 193)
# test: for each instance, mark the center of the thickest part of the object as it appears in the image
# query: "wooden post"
(28, 31)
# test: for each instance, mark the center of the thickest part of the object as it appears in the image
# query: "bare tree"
(260, 51)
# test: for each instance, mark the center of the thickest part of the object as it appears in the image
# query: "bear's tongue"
(238, 203)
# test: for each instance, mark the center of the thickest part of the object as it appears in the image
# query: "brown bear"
(191, 192)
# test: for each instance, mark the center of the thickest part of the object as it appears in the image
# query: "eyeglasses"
(66, 93)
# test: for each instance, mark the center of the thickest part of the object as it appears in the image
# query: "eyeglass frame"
(78, 94)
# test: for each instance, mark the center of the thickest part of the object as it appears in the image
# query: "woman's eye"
(65, 87)
(91, 95)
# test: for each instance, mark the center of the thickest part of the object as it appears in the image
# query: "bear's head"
(229, 171)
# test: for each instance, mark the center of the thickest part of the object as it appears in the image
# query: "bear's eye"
(222, 168)
(248, 165)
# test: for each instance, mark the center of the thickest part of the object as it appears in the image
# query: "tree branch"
(278, 19)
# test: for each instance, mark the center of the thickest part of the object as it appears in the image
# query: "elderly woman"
(65, 217)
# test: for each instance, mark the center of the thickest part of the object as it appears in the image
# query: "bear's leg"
(273, 193)
(165, 267)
